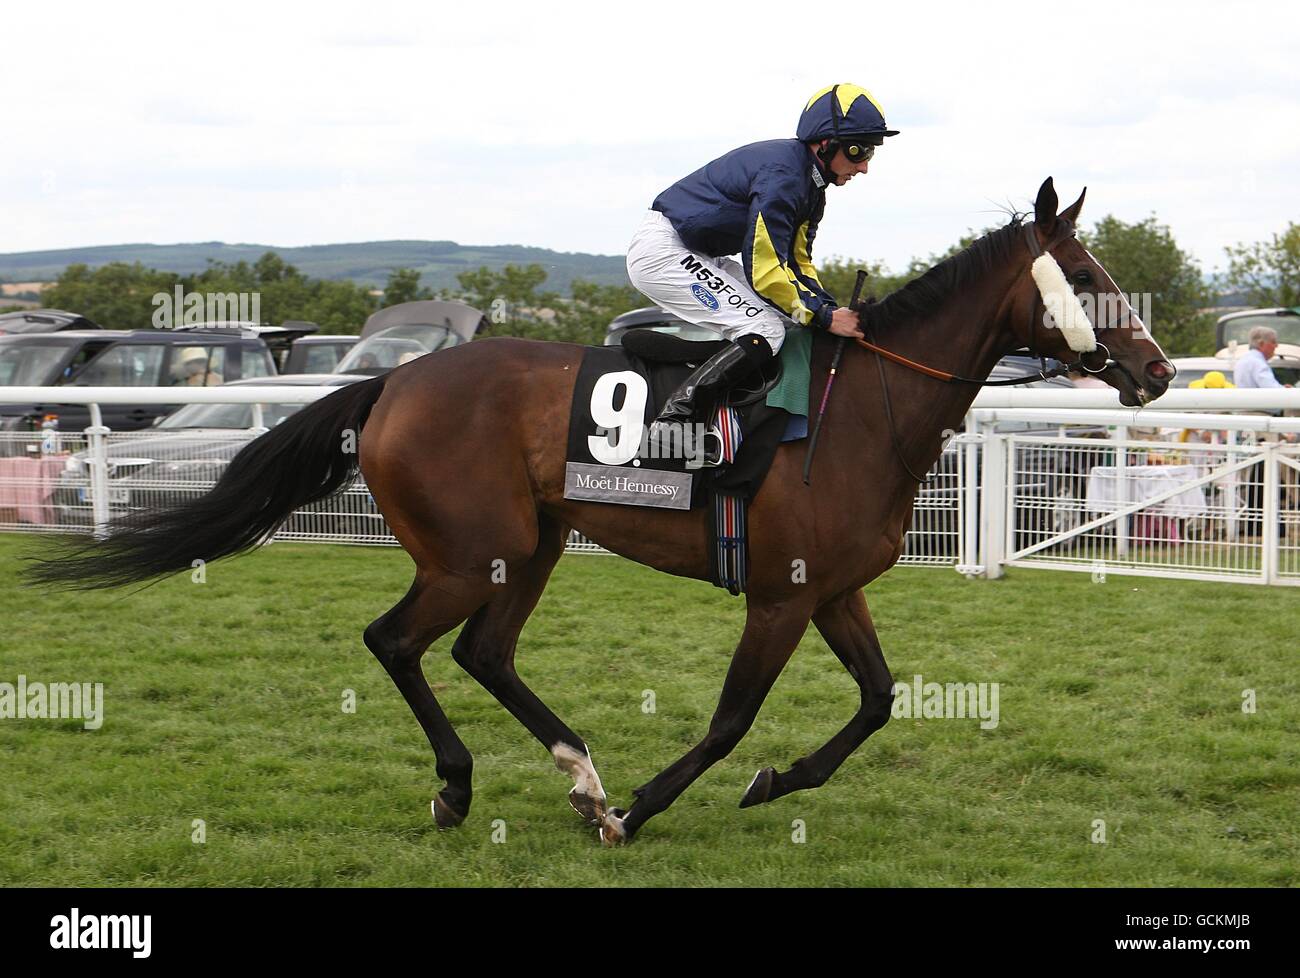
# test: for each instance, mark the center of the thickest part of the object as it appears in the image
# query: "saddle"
(654, 346)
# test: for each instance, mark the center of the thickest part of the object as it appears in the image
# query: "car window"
(321, 358)
(256, 362)
(1286, 327)
(397, 345)
(30, 364)
(126, 365)
(83, 356)
(197, 366)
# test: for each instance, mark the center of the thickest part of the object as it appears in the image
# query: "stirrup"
(711, 456)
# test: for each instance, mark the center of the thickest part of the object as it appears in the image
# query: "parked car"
(42, 321)
(317, 354)
(120, 358)
(400, 333)
(1285, 363)
(279, 340)
(1235, 327)
(192, 445)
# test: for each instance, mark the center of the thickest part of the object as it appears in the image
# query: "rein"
(1067, 231)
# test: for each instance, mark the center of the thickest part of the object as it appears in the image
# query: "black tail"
(305, 458)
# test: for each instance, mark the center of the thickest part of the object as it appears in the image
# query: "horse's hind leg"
(845, 624)
(485, 649)
(399, 640)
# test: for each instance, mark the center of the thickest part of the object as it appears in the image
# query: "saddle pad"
(791, 391)
(615, 398)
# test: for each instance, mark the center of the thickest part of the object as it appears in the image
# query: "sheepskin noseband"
(1063, 305)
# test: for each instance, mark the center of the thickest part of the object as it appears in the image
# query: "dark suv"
(121, 358)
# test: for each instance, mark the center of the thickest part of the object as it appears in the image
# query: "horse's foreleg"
(771, 634)
(485, 649)
(845, 624)
(399, 640)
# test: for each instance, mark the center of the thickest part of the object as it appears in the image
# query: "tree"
(1143, 258)
(404, 286)
(121, 296)
(839, 275)
(511, 299)
(1268, 271)
(116, 295)
(285, 293)
(586, 317)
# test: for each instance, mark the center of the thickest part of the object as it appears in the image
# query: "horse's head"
(1108, 339)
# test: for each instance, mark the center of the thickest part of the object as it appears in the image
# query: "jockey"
(764, 202)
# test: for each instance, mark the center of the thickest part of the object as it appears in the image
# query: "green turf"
(1120, 701)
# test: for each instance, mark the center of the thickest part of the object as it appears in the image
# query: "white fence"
(1199, 496)
(1041, 478)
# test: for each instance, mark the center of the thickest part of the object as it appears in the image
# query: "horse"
(464, 451)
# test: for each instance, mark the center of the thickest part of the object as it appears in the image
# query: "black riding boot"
(700, 390)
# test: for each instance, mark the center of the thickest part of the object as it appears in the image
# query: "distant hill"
(367, 262)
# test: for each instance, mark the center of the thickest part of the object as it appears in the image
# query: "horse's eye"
(1082, 277)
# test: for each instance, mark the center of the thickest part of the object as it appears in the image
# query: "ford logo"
(707, 298)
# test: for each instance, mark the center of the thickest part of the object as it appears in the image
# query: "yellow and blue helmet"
(843, 112)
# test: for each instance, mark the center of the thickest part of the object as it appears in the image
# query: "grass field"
(1119, 701)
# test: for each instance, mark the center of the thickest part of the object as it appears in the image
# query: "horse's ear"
(1045, 207)
(1071, 213)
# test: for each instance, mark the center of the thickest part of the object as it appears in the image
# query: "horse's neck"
(965, 335)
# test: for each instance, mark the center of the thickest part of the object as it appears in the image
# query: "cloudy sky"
(496, 122)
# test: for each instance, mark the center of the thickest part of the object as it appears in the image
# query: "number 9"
(628, 421)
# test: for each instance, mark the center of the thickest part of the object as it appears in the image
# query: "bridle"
(1036, 250)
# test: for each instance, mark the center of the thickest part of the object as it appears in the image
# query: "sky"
(556, 125)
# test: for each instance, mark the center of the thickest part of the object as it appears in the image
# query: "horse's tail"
(307, 457)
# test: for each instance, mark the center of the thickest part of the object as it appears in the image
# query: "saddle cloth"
(619, 392)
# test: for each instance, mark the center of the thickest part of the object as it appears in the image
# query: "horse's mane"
(923, 295)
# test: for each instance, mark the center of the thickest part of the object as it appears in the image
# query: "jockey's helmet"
(847, 115)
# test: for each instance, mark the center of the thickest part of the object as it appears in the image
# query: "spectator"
(1252, 369)
(195, 370)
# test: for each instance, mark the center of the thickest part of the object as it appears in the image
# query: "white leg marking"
(579, 767)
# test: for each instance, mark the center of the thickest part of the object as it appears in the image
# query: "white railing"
(1081, 491)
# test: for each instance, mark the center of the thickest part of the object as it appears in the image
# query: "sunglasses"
(858, 153)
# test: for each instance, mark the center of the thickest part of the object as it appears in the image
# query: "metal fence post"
(996, 502)
(1120, 435)
(1269, 537)
(970, 561)
(97, 462)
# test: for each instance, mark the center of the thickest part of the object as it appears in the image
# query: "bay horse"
(464, 452)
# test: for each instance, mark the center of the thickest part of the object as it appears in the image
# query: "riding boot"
(697, 394)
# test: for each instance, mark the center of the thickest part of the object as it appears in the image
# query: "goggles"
(857, 152)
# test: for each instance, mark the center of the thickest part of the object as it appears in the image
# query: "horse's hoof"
(591, 809)
(760, 789)
(446, 816)
(612, 831)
